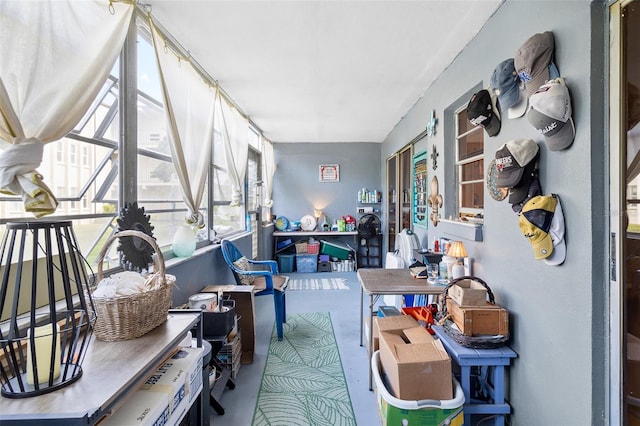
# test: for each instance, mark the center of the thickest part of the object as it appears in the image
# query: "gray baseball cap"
(550, 114)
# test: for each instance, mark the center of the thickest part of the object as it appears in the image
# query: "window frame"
(459, 164)
(119, 165)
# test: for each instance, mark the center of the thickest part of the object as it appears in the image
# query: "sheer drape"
(54, 58)
(189, 109)
(235, 134)
(268, 170)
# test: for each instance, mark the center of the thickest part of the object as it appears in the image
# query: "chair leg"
(278, 303)
(284, 307)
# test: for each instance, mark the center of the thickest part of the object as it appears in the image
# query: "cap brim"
(558, 255)
(557, 231)
(509, 179)
(493, 128)
(534, 190)
(518, 109)
(543, 248)
(563, 139)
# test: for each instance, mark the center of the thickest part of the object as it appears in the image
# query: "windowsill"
(458, 229)
(175, 261)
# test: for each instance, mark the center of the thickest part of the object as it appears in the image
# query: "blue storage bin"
(307, 262)
(286, 263)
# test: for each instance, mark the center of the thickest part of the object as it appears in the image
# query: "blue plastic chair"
(266, 280)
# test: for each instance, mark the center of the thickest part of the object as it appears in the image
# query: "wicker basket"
(476, 342)
(132, 316)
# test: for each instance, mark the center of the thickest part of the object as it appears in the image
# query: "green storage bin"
(335, 250)
(286, 263)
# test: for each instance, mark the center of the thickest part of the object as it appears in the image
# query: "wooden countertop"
(394, 281)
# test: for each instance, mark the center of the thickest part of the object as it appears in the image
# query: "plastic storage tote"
(428, 412)
(286, 263)
(307, 262)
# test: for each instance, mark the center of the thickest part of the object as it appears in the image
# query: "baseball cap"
(534, 61)
(519, 192)
(535, 189)
(550, 114)
(557, 236)
(482, 111)
(537, 225)
(511, 159)
(505, 84)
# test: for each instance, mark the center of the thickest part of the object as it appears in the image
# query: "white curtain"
(235, 134)
(189, 107)
(268, 170)
(54, 58)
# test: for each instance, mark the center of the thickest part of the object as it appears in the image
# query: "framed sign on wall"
(329, 173)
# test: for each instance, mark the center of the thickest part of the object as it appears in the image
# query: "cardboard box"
(478, 320)
(190, 359)
(417, 366)
(169, 379)
(468, 293)
(395, 412)
(391, 323)
(141, 408)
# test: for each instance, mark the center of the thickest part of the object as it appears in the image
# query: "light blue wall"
(557, 313)
(296, 187)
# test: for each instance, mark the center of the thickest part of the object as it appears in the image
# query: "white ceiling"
(324, 71)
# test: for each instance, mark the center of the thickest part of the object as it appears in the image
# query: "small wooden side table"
(492, 363)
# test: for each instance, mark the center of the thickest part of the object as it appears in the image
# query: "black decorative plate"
(135, 253)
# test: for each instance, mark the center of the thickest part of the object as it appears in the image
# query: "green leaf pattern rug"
(303, 381)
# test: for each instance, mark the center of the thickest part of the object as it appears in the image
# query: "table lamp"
(458, 252)
(46, 311)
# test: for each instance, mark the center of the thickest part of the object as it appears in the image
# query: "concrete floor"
(344, 307)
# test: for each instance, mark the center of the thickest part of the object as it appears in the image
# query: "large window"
(469, 167)
(84, 168)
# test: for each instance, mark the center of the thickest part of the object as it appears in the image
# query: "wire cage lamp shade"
(45, 306)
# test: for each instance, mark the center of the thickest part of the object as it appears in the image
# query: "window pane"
(472, 195)
(227, 219)
(221, 186)
(472, 171)
(471, 144)
(464, 125)
(470, 166)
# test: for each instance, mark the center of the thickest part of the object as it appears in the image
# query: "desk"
(380, 282)
(325, 235)
(492, 362)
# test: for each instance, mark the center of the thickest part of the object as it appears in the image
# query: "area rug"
(317, 284)
(303, 381)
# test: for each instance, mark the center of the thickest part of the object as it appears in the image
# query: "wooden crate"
(468, 293)
(479, 320)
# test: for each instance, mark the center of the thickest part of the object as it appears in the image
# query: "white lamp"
(458, 252)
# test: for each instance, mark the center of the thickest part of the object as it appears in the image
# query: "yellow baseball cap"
(535, 222)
